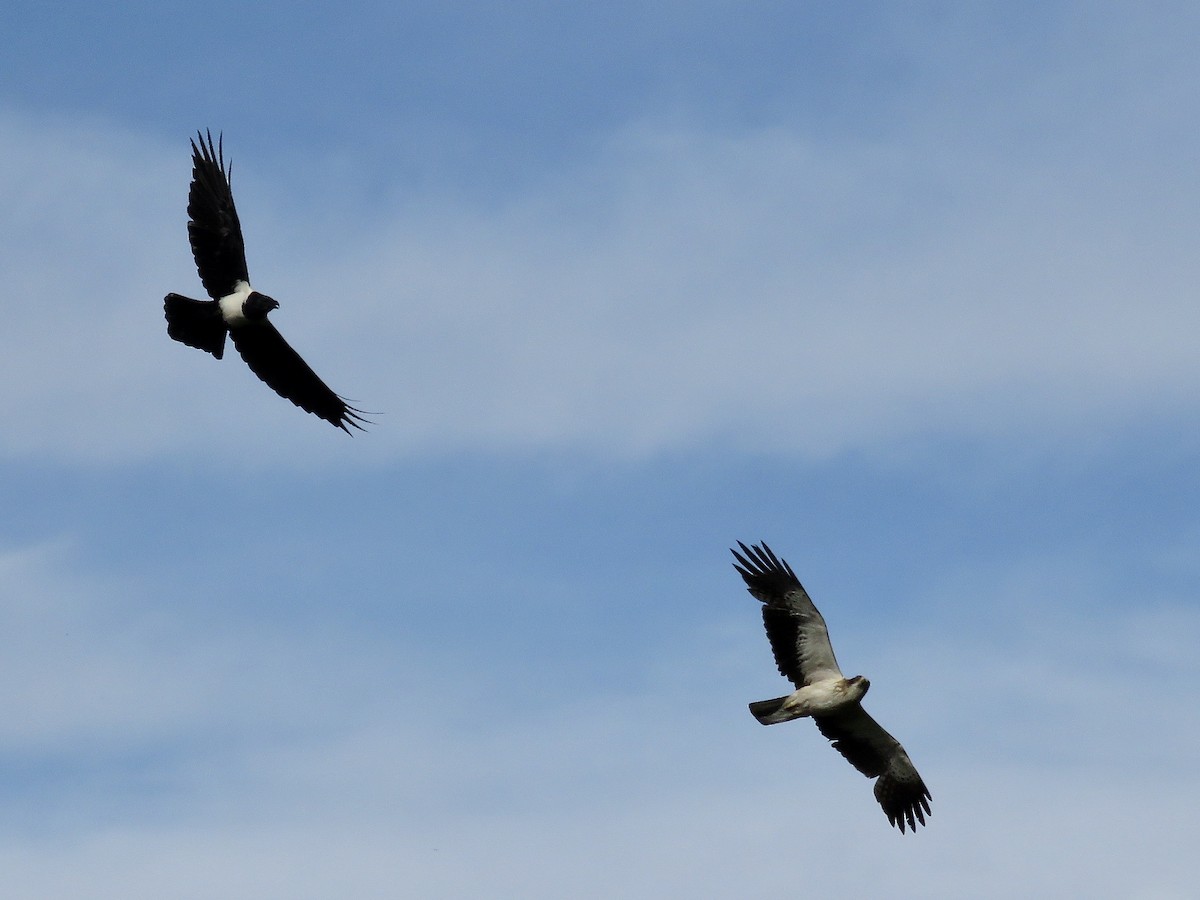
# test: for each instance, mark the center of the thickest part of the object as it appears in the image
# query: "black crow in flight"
(236, 308)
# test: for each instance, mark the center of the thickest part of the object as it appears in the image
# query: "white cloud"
(759, 289)
(691, 287)
(296, 765)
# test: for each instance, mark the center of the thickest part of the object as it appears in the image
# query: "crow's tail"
(197, 323)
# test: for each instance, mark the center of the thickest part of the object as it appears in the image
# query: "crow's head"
(257, 306)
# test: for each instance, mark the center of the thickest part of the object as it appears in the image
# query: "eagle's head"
(857, 687)
(256, 306)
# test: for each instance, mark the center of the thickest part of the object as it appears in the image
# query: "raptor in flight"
(804, 655)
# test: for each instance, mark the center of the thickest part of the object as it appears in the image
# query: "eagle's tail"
(197, 323)
(771, 712)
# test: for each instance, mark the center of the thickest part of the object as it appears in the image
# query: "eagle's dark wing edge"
(870, 749)
(795, 628)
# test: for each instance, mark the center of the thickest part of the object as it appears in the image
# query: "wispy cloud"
(241, 758)
(678, 287)
(907, 293)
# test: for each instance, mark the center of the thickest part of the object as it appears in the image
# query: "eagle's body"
(821, 698)
(803, 653)
(236, 309)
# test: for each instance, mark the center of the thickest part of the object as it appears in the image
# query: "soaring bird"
(804, 655)
(236, 308)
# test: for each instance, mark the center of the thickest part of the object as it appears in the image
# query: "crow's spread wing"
(273, 360)
(213, 227)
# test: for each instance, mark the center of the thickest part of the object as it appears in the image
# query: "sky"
(907, 291)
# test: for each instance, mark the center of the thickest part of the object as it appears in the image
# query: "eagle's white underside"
(823, 697)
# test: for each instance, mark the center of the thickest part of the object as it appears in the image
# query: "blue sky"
(908, 292)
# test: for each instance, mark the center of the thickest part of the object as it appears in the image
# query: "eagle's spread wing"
(213, 229)
(795, 628)
(899, 790)
(273, 360)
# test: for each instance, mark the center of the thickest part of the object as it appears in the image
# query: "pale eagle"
(804, 655)
(236, 309)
